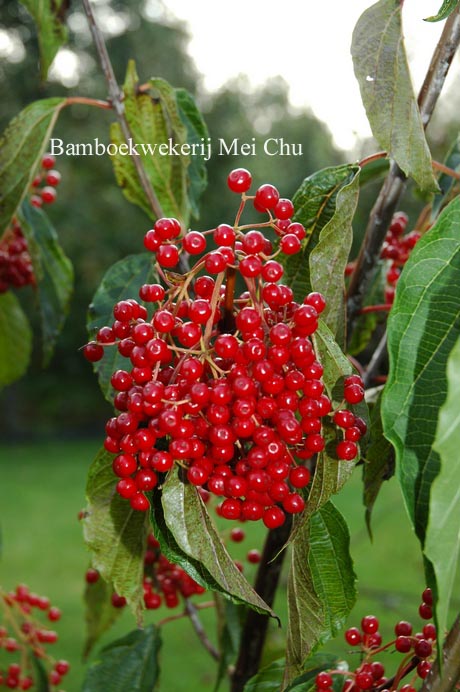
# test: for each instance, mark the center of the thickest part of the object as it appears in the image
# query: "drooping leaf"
(330, 256)
(423, 327)
(130, 663)
(447, 7)
(100, 614)
(442, 543)
(49, 16)
(321, 586)
(197, 134)
(21, 148)
(157, 133)
(53, 272)
(122, 281)
(15, 339)
(315, 203)
(380, 64)
(115, 534)
(41, 680)
(379, 464)
(188, 521)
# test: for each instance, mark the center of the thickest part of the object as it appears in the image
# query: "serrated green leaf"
(315, 204)
(330, 257)
(115, 534)
(157, 132)
(49, 16)
(379, 465)
(41, 680)
(380, 64)
(122, 281)
(99, 612)
(21, 148)
(447, 7)
(130, 663)
(321, 586)
(442, 543)
(191, 526)
(15, 339)
(53, 272)
(197, 134)
(423, 327)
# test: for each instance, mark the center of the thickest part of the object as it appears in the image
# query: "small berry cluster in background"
(228, 384)
(397, 248)
(25, 633)
(16, 268)
(419, 650)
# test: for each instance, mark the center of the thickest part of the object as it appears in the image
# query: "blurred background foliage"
(96, 225)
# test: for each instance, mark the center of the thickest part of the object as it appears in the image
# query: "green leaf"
(447, 7)
(158, 133)
(130, 663)
(15, 339)
(330, 257)
(229, 623)
(442, 544)
(315, 203)
(21, 148)
(100, 613)
(449, 187)
(423, 327)
(381, 68)
(122, 281)
(115, 533)
(316, 664)
(197, 134)
(53, 272)
(188, 521)
(270, 678)
(367, 323)
(41, 680)
(49, 16)
(321, 586)
(379, 465)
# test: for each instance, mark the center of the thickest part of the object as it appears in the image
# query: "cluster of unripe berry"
(227, 386)
(418, 649)
(24, 636)
(16, 268)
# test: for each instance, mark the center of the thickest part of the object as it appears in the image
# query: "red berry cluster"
(16, 268)
(227, 386)
(418, 650)
(163, 582)
(45, 182)
(24, 635)
(397, 248)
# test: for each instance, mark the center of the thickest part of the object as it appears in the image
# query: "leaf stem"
(395, 182)
(255, 627)
(116, 98)
(85, 101)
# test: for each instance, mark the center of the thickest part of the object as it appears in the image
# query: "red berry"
(364, 680)
(53, 178)
(425, 611)
(194, 243)
(423, 648)
(93, 351)
(239, 180)
(290, 244)
(48, 194)
(403, 629)
(427, 596)
(91, 576)
(403, 644)
(353, 393)
(283, 209)
(347, 450)
(266, 197)
(369, 624)
(237, 535)
(423, 669)
(118, 601)
(254, 556)
(48, 161)
(323, 681)
(299, 477)
(167, 256)
(353, 636)
(273, 517)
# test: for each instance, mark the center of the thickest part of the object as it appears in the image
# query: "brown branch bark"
(255, 627)
(447, 679)
(395, 183)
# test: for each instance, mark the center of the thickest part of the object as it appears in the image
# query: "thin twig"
(374, 363)
(116, 98)
(192, 612)
(85, 101)
(395, 182)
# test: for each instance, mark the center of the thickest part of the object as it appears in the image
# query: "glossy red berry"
(323, 681)
(266, 197)
(239, 180)
(369, 624)
(353, 636)
(347, 450)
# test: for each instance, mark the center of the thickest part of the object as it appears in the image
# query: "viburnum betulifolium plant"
(252, 369)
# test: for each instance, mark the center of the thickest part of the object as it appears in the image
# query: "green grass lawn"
(41, 492)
